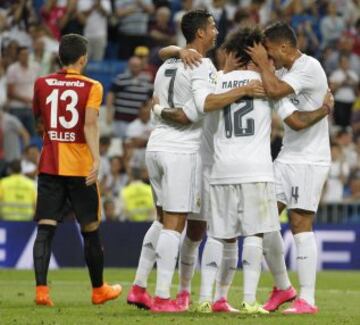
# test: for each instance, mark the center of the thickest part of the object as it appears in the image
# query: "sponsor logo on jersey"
(64, 83)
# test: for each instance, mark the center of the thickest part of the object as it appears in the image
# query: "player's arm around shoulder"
(300, 120)
(91, 129)
(174, 114)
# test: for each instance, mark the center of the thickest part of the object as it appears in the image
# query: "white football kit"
(303, 163)
(172, 156)
(242, 191)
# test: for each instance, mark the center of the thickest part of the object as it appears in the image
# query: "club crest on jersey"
(212, 77)
(64, 83)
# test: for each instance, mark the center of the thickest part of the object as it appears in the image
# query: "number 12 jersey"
(242, 134)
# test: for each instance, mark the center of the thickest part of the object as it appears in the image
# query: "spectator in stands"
(10, 53)
(116, 179)
(29, 163)
(127, 93)
(344, 139)
(137, 200)
(40, 32)
(96, 13)
(354, 184)
(52, 11)
(73, 20)
(332, 26)
(21, 77)
(133, 24)
(3, 85)
(137, 136)
(143, 53)
(17, 195)
(105, 143)
(110, 214)
(355, 116)
(344, 83)
(161, 31)
(186, 5)
(15, 136)
(41, 57)
(338, 175)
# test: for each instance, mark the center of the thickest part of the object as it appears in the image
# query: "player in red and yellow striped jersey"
(67, 103)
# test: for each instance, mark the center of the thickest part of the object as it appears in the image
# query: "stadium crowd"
(133, 31)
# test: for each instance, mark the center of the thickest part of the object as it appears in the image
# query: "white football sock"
(210, 263)
(227, 270)
(306, 263)
(251, 263)
(273, 246)
(167, 251)
(147, 256)
(188, 259)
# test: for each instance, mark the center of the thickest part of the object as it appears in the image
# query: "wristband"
(157, 109)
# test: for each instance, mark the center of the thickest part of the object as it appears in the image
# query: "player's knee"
(90, 227)
(195, 230)
(300, 223)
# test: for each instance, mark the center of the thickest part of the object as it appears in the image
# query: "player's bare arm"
(215, 102)
(274, 87)
(190, 57)
(91, 131)
(301, 120)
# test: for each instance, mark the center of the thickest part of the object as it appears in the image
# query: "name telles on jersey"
(62, 136)
(234, 83)
(64, 83)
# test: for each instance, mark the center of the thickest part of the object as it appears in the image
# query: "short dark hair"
(22, 48)
(15, 166)
(281, 31)
(192, 21)
(239, 40)
(71, 48)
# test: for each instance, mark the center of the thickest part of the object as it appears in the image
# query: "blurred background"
(124, 39)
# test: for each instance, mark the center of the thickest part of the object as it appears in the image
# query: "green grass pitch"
(338, 297)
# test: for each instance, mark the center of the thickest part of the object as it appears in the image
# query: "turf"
(338, 298)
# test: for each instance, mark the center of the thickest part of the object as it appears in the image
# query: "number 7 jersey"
(61, 100)
(242, 134)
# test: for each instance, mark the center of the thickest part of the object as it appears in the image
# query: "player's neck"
(73, 67)
(292, 58)
(198, 47)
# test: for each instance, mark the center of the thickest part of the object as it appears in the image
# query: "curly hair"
(239, 40)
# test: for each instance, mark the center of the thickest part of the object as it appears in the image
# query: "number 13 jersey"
(60, 100)
(242, 136)
(188, 88)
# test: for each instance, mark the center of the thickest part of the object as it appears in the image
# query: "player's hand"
(93, 175)
(231, 62)
(329, 101)
(191, 58)
(258, 54)
(255, 89)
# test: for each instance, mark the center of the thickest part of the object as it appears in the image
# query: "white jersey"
(179, 87)
(242, 137)
(311, 145)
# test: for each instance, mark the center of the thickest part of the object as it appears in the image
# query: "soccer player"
(302, 166)
(173, 161)
(297, 120)
(67, 103)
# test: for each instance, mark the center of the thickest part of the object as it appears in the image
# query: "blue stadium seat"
(105, 71)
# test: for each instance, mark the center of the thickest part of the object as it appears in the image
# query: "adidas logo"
(212, 264)
(149, 245)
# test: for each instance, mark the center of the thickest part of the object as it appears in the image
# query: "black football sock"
(94, 257)
(42, 252)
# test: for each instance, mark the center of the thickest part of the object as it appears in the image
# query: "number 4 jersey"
(60, 100)
(242, 137)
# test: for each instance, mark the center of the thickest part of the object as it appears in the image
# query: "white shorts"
(299, 186)
(205, 210)
(175, 180)
(242, 210)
